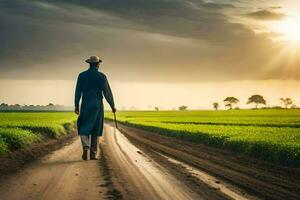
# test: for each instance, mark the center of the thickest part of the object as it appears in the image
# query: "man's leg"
(85, 145)
(94, 146)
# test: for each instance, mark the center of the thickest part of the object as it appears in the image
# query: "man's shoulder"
(101, 74)
(87, 73)
(82, 73)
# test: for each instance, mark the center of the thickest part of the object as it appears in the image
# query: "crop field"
(18, 130)
(272, 135)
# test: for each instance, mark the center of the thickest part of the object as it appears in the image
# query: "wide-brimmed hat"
(93, 59)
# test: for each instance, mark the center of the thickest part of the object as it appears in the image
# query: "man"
(91, 86)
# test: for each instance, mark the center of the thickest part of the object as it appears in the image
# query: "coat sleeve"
(108, 93)
(78, 93)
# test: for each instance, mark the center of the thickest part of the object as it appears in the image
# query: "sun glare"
(287, 29)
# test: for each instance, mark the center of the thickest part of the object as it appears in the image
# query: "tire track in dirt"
(247, 175)
(136, 175)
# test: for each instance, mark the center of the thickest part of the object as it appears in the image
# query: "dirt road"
(136, 164)
(136, 174)
(60, 175)
(211, 172)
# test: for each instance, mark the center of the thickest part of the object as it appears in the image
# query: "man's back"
(91, 86)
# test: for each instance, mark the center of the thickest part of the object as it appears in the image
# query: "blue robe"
(91, 86)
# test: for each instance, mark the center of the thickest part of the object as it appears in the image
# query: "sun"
(288, 29)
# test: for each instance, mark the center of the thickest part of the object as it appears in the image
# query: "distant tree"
(3, 105)
(182, 108)
(216, 105)
(256, 99)
(50, 104)
(286, 102)
(294, 106)
(230, 101)
(276, 107)
(156, 108)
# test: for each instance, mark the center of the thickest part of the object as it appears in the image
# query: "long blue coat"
(91, 86)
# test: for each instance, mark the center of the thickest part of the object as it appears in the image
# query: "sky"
(163, 53)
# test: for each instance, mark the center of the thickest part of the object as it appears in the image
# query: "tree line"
(257, 100)
(18, 107)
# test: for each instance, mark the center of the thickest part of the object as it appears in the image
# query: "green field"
(18, 130)
(272, 135)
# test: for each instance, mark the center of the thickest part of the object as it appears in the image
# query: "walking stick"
(116, 124)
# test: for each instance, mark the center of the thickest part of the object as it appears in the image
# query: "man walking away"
(90, 88)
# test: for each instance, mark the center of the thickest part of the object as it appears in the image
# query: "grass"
(19, 130)
(16, 138)
(271, 135)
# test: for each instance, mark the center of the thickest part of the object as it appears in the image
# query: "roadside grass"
(3, 146)
(16, 138)
(271, 135)
(19, 130)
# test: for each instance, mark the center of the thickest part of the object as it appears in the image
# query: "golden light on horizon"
(287, 29)
(286, 35)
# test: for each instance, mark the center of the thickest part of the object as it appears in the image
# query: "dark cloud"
(139, 40)
(211, 5)
(177, 17)
(265, 14)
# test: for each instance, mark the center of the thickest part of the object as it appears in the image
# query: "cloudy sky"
(192, 51)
